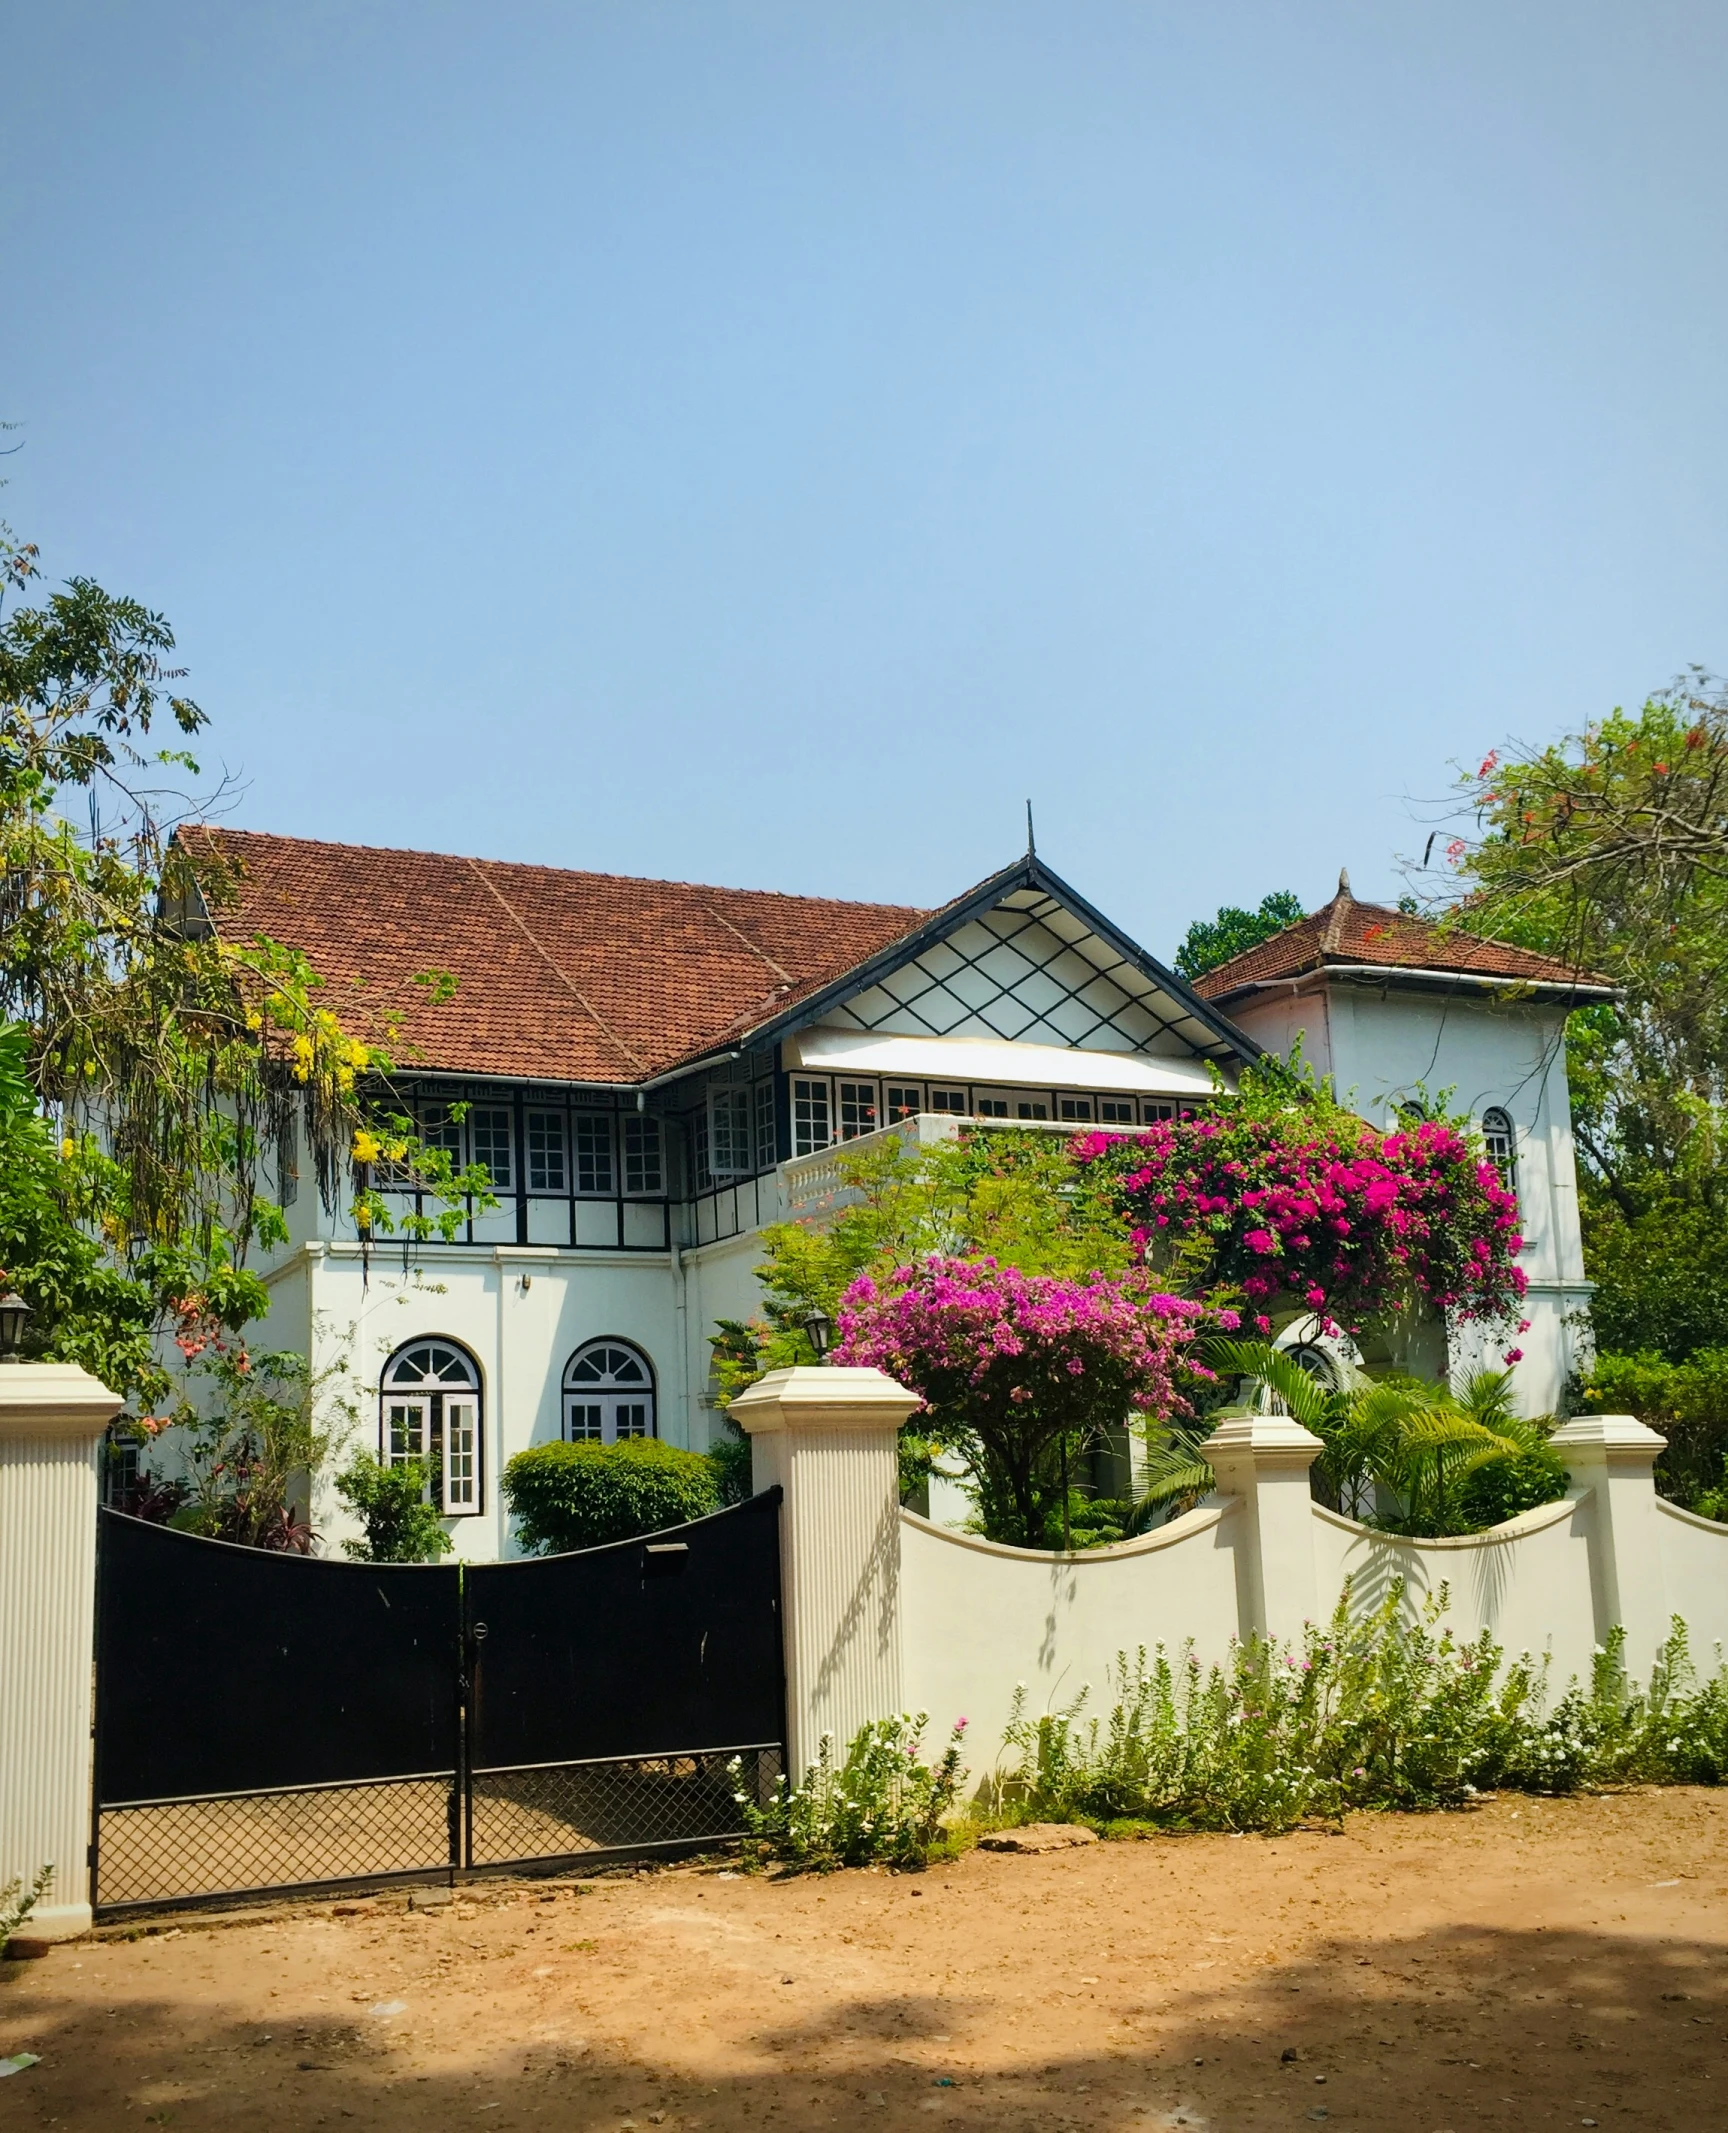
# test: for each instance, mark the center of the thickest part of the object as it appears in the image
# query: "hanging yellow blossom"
(367, 1147)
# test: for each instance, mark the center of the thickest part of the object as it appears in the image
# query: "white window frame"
(553, 1131)
(593, 1169)
(644, 1156)
(1500, 1140)
(610, 1407)
(482, 1123)
(812, 1114)
(731, 1130)
(438, 1419)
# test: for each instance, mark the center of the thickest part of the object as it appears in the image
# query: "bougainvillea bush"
(1318, 1210)
(1013, 1368)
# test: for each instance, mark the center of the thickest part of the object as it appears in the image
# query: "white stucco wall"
(1695, 1578)
(519, 1311)
(1527, 1582)
(977, 1617)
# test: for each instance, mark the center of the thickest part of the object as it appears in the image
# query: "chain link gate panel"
(267, 1721)
(613, 1689)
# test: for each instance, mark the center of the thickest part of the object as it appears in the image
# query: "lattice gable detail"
(1031, 972)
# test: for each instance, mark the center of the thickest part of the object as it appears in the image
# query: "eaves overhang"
(1397, 977)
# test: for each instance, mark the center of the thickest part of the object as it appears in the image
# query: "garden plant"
(567, 1496)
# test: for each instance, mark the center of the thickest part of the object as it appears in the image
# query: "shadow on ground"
(1432, 2033)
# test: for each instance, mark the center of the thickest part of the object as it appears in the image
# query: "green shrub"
(399, 1526)
(566, 1496)
(1500, 1489)
(1687, 1402)
(731, 1458)
(884, 1803)
(1375, 1712)
(17, 1902)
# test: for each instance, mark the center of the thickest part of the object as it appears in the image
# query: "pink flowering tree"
(1015, 1369)
(1315, 1210)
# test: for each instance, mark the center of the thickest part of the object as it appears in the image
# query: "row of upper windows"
(605, 1154)
(562, 1152)
(826, 1108)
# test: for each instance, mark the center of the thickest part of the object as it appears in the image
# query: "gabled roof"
(1345, 935)
(604, 978)
(560, 975)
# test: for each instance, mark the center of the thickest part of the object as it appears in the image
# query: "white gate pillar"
(1263, 1460)
(1613, 1457)
(52, 1416)
(829, 1436)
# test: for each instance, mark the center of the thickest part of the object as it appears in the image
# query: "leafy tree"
(1014, 1198)
(162, 1059)
(399, 1525)
(1209, 942)
(1609, 849)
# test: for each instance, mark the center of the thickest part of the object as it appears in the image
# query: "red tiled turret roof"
(560, 975)
(1345, 932)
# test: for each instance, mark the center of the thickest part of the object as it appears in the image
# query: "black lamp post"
(13, 1312)
(819, 1331)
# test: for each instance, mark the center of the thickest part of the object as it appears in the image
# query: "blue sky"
(766, 443)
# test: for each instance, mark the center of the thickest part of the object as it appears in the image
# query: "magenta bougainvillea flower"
(1008, 1364)
(1355, 1229)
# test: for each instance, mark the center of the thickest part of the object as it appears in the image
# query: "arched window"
(608, 1393)
(1502, 1146)
(429, 1409)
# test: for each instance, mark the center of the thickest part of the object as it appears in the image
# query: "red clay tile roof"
(1345, 932)
(561, 976)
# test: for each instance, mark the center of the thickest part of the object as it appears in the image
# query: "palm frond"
(1302, 1397)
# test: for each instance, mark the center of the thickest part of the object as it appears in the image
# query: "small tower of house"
(1389, 1005)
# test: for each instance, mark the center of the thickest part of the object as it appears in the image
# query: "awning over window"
(970, 1060)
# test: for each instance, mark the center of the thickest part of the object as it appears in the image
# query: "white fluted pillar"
(52, 1417)
(829, 1437)
(1613, 1458)
(1264, 1461)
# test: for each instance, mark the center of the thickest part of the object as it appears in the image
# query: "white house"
(653, 1070)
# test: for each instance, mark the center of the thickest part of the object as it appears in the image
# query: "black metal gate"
(270, 1722)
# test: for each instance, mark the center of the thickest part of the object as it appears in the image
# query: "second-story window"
(1077, 1107)
(547, 1171)
(767, 1140)
(1501, 1143)
(902, 1103)
(810, 1117)
(644, 1169)
(493, 1145)
(1115, 1111)
(593, 1135)
(730, 1127)
(440, 1129)
(857, 1109)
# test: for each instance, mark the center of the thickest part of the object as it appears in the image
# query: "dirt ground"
(1528, 1963)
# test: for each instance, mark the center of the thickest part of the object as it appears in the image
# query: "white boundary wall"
(974, 1619)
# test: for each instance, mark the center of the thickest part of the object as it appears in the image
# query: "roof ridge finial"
(1031, 841)
(1344, 888)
